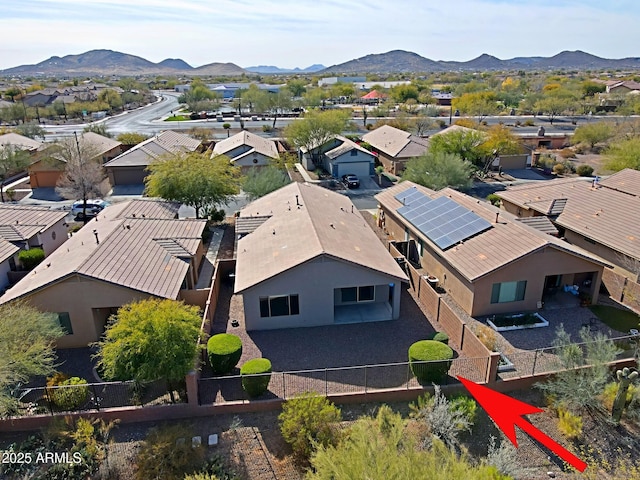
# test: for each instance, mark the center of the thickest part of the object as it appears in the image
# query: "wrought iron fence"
(337, 381)
(89, 397)
(547, 360)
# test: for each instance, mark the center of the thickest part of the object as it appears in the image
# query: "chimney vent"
(95, 232)
(297, 201)
(497, 216)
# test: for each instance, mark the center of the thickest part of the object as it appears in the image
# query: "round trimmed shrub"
(31, 258)
(441, 337)
(70, 393)
(584, 170)
(437, 354)
(252, 382)
(224, 352)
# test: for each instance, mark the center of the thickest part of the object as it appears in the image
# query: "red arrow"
(507, 412)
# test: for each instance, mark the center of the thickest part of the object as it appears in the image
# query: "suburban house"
(374, 97)
(22, 228)
(306, 257)
(339, 156)
(247, 150)
(130, 251)
(20, 142)
(130, 167)
(395, 147)
(487, 260)
(48, 166)
(601, 216)
(623, 87)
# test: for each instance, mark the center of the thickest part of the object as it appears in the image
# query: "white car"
(94, 206)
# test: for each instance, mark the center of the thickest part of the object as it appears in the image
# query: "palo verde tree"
(195, 179)
(438, 170)
(477, 104)
(12, 160)
(151, 340)
(623, 154)
(83, 177)
(262, 180)
(467, 144)
(593, 133)
(27, 340)
(316, 128)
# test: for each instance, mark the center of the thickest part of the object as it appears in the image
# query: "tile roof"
(395, 142)
(507, 241)
(605, 215)
(141, 155)
(259, 144)
(19, 222)
(20, 141)
(7, 250)
(627, 181)
(346, 146)
(540, 223)
(99, 142)
(144, 254)
(306, 222)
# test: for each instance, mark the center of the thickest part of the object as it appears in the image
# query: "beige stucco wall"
(610, 255)
(53, 237)
(314, 282)
(516, 210)
(78, 296)
(248, 161)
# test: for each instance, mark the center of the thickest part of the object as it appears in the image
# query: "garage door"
(128, 176)
(360, 169)
(44, 179)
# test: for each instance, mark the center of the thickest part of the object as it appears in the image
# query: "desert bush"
(487, 337)
(570, 425)
(252, 382)
(437, 354)
(504, 459)
(569, 167)
(567, 153)
(559, 169)
(609, 394)
(308, 420)
(445, 418)
(528, 122)
(494, 199)
(224, 351)
(214, 469)
(441, 337)
(584, 170)
(67, 393)
(31, 258)
(167, 454)
(267, 128)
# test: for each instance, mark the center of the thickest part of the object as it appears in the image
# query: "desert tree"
(593, 133)
(195, 179)
(12, 160)
(316, 128)
(83, 177)
(623, 154)
(153, 339)
(260, 181)
(477, 104)
(27, 341)
(439, 170)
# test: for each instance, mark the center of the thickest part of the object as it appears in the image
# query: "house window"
(508, 292)
(354, 153)
(65, 322)
(358, 294)
(589, 240)
(278, 306)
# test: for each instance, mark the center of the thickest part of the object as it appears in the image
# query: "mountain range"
(109, 62)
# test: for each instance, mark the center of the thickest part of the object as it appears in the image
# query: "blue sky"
(290, 33)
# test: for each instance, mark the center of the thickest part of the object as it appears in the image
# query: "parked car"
(350, 181)
(94, 207)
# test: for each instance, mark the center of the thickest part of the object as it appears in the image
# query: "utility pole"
(84, 187)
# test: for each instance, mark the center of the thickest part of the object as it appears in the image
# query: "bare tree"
(83, 177)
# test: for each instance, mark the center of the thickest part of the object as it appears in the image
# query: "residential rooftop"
(137, 244)
(142, 154)
(257, 143)
(395, 142)
(304, 222)
(20, 222)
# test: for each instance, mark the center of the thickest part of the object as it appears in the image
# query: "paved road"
(148, 120)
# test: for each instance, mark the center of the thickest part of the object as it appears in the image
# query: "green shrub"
(224, 352)
(252, 382)
(529, 123)
(441, 337)
(309, 420)
(430, 351)
(567, 153)
(467, 407)
(559, 169)
(67, 393)
(163, 456)
(584, 170)
(494, 199)
(267, 128)
(30, 258)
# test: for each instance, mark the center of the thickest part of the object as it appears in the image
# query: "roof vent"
(497, 216)
(95, 232)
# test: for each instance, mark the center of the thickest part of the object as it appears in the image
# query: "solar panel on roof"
(441, 220)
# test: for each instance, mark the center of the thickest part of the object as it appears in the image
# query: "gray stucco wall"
(314, 282)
